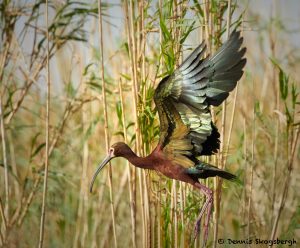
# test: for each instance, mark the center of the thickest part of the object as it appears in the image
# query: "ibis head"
(118, 149)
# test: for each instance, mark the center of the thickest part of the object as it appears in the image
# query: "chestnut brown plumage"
(183, 101)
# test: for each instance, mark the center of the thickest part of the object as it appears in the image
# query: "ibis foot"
(207, 206)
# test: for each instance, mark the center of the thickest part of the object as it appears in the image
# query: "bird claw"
(206, 225)
(208, 205)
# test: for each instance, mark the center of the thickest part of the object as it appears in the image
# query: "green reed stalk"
(5, 215)
(182, 190)
(106, 122)
(159, 200)
(222, 158)
(42, 224)
(4, 210)
(132, 204)
(272, 41)
(251, 169)
(134, 64)
(245, 160)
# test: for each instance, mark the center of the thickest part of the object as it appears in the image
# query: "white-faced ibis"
(183, 101)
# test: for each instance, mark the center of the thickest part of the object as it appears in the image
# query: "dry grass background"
(141, 41)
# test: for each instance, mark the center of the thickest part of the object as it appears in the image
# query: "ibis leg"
(206, 226)
(207, 206)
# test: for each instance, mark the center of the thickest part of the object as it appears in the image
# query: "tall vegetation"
(105, 61)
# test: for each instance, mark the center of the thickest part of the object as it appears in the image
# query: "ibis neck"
(141, 162)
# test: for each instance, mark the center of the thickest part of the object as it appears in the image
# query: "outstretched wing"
(183, 100)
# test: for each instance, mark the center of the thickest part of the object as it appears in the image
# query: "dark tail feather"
(226, 175)
(205, 170)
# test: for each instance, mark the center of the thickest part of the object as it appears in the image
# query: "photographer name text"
(258, 241)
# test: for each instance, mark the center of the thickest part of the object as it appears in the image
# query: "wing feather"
(183, 100)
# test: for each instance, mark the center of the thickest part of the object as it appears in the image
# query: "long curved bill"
(100, 167)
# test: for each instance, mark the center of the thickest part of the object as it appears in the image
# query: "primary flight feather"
(183, 100)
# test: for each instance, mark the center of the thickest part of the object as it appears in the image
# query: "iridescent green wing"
(183, 99)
